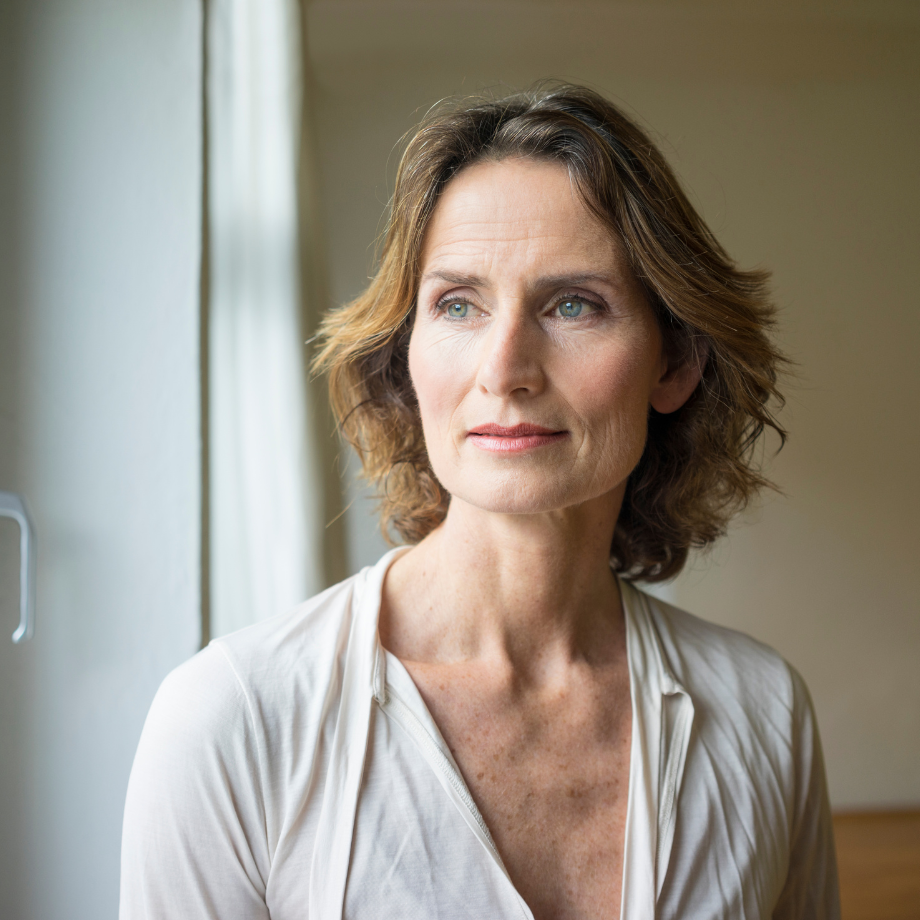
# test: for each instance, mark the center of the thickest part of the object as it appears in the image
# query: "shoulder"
(739, 686)
(294, 652)
(233, 733)
(264, 662)
(722, 666)
(243, 685)
(753, 715)
(754, 795)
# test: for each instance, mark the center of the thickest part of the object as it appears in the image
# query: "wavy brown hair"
(698, 466)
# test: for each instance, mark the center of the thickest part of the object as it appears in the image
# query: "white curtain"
(265, 476)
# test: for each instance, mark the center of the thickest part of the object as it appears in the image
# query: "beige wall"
(796, 130)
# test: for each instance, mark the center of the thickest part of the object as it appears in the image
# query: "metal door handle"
(13, 506)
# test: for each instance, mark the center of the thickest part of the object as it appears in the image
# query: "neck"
(533, 591)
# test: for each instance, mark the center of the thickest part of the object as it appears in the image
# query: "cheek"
(612, 396)
(437, 374)
(614, 382)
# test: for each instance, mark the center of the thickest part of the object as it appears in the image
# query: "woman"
(557, 378)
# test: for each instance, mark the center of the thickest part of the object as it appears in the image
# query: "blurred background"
(185, 187)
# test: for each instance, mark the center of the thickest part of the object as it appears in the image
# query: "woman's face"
(534, 353)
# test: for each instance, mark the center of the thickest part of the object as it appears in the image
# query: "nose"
(510, 356)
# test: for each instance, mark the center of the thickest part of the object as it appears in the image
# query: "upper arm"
(810, 890)
(194, 843)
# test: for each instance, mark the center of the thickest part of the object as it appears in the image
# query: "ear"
(679, 379)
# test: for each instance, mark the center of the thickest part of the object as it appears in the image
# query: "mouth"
(500, 439)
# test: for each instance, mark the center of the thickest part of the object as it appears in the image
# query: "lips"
(513, 439)
(516, 431)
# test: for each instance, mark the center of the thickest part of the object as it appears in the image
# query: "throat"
(444, 605)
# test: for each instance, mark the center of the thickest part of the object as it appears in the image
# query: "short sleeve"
(194, 843)
(811, 888)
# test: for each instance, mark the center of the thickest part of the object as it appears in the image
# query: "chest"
(550, 776)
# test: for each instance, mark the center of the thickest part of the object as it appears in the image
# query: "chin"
(520, 494)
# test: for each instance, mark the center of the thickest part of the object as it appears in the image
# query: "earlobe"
(677, 383)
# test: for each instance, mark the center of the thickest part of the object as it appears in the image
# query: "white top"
(292, 770)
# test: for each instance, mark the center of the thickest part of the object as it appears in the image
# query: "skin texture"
(507, 616)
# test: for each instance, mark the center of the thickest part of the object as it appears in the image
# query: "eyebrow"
(545, 281)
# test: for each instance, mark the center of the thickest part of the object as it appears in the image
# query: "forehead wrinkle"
(477, 229)
(583, 251)
(500, 221)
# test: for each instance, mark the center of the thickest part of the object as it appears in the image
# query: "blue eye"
(457, 310)
(571, 308)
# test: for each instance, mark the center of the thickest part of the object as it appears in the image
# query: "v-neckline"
(393, 682)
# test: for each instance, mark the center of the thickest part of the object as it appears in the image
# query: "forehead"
(522, 211)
